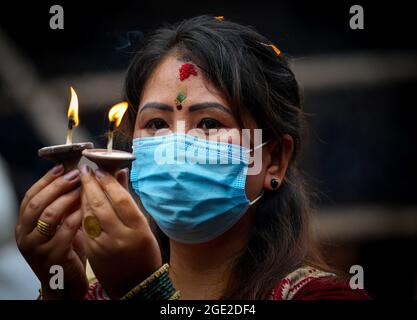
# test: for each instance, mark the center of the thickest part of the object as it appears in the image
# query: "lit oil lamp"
(109, 159)
(68, 154)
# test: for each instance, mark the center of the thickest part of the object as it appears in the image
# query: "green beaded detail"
(181, 96)
(157, 286)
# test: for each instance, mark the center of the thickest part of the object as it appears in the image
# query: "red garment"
(305, 283)
(312, 284)
(330, 288)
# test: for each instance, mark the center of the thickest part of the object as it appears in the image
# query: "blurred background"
(359, 93)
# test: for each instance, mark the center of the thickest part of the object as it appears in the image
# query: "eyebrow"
(157, 105)
(208, 105)
(192, 108)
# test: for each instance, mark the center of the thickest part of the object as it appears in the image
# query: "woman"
(226, 230)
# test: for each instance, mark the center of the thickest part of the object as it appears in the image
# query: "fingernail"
(100, 174)
(84, 169)
(57, 169)
(72, 175)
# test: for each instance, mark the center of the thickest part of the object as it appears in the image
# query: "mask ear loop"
(261, 145)
(257, 198)
(263, 191)
(257, 147)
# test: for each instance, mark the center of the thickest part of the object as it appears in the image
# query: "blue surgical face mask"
(193, 188)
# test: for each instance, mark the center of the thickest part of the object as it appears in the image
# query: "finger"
(95, 202)
(64, 236)
(58, 210)
(120, 198)
(78, 245)
(94, 247)
(50, 176)
(122, 177)
(46, 196)
(35, 238)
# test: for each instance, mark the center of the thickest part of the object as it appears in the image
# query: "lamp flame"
(73, 107)
(117, 112)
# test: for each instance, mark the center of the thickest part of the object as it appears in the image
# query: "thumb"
(122, 177)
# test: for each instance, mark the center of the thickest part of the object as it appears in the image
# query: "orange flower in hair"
(276, 50)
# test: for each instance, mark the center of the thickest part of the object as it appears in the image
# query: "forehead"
(164, 83)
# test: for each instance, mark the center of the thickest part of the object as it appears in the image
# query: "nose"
(180, 124)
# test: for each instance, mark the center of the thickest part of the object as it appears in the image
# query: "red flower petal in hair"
(186, 70)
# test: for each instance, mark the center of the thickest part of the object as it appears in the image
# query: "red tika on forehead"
(186, 70)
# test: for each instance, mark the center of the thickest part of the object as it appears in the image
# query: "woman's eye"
(156, 124)
(208, 123)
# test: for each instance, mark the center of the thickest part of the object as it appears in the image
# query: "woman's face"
(203, 109)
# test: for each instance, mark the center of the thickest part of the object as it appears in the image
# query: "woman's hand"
(126, 251)
(54, 199)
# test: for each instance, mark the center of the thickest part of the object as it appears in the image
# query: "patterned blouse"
(306, 283)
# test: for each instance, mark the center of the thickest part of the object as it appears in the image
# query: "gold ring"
(92, 226)
(45, 228)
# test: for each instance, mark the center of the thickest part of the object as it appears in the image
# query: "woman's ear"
(279, 160)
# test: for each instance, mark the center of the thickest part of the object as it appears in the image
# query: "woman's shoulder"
(308, 283)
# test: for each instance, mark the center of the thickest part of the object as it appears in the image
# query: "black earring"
(274, 183)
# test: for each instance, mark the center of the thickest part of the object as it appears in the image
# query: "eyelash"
(217, 123)
(153, 124)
